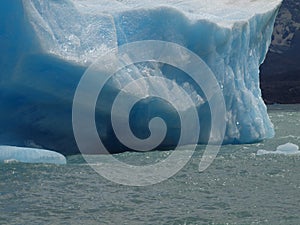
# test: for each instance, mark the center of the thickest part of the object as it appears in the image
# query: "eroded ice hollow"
(47, 45)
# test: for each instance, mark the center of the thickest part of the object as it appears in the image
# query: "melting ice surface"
(286, 149)
(47, 45)
(30, 155)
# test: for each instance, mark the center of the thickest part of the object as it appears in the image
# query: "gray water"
(238, 188)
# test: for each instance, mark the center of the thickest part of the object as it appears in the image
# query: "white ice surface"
(285, 149)
(30, 155)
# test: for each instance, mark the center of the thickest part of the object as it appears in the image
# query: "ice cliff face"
(49, 44)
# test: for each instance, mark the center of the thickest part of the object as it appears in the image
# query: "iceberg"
(286, 149)
(47, 46)
(30, 155)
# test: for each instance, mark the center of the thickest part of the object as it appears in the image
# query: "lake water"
(238, 188)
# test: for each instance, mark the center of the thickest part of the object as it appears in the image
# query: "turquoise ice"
(47, 45)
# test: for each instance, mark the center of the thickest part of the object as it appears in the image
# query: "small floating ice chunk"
(286, 149)
(9, 161)
(30, 155)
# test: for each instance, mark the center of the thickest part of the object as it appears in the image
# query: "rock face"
(280, 73)
(49, 44)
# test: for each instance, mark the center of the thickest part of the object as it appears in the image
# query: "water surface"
(238, 188)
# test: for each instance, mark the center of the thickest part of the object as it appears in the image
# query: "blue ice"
(47, 45)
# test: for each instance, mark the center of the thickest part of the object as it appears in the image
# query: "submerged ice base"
(47, 45)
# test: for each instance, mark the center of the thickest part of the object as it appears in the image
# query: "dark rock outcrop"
(280, 73)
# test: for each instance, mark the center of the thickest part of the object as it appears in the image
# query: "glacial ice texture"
(47, 45)
(30, 155)
(285, 149)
